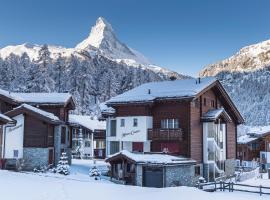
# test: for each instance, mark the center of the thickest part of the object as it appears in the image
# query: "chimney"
(149, 91)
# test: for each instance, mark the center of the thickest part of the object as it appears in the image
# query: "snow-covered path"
(79, 186)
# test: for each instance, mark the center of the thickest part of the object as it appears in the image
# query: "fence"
(231, 187)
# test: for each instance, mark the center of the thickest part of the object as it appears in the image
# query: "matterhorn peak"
(101, 31)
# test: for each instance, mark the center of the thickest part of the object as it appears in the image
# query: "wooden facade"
(251, 150)
(188, 111)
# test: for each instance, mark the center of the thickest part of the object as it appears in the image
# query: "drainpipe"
(92, 146)
(9, 125)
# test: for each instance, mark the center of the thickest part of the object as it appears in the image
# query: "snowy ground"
(78, 186)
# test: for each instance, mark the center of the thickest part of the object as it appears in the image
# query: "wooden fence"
(231, 187)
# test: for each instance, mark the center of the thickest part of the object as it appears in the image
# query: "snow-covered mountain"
(246, 76)
(248, 59)
(101, 41)
(98, 68)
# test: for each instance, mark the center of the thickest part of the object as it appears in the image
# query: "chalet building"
(88, 131)
(40, 132)
(192, 118)
(255, 146)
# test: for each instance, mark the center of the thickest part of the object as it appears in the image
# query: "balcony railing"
(165, 134)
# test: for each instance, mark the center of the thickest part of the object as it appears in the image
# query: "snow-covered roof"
(106, 109)
(37, 98)
(213, 114)
(48, 115)
(253, 133)
(152, 158)
(244, 139)
(5, 118)
(87, 122)
(164, 89)
(259, 130)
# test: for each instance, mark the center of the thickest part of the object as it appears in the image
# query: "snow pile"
(152, 158)
(92, 123)
(165, 89)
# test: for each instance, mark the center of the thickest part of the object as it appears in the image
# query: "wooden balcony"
(165, 134)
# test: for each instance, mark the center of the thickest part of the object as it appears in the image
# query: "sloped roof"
(87, 122)
(165, 89)
(4, 118)
(214, 114)
(25, 108)
(152, 158)
(253, 134)
(37, 98)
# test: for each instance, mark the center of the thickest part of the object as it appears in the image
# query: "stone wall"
(175, 175)
(229, 167)
(180, 175)
(139, 175)
(35, 157)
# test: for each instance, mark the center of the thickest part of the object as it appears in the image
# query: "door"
(51, 157)
(153, 177)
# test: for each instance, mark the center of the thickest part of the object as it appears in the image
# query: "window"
(213, 103)
(170, 123)
(122, 123)
(15, 153)
(135, 122)
(204, 101)
(63, 135)
(114, 147)
(113, 128)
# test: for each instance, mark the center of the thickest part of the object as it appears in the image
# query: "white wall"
(130, 133)
(14, 138)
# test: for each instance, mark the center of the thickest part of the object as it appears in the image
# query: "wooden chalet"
(194, 118)
(40, 132)
(255, 146)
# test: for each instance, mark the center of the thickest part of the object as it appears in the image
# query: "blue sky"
(181, 35)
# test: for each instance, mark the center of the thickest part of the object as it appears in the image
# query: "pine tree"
(62, 166)
(94, 172)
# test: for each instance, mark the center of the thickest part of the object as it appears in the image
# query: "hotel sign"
(130, 133)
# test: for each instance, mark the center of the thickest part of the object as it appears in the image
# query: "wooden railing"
(231, 187)
(165, 134)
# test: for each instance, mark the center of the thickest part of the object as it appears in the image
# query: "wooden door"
(51, 157)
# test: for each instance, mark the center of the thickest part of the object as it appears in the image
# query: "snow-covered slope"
(246, 77)
(101, 41)
(249, 58)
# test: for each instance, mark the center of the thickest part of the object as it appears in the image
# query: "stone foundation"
(181, 175)
(35, 157)
(229, 167)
